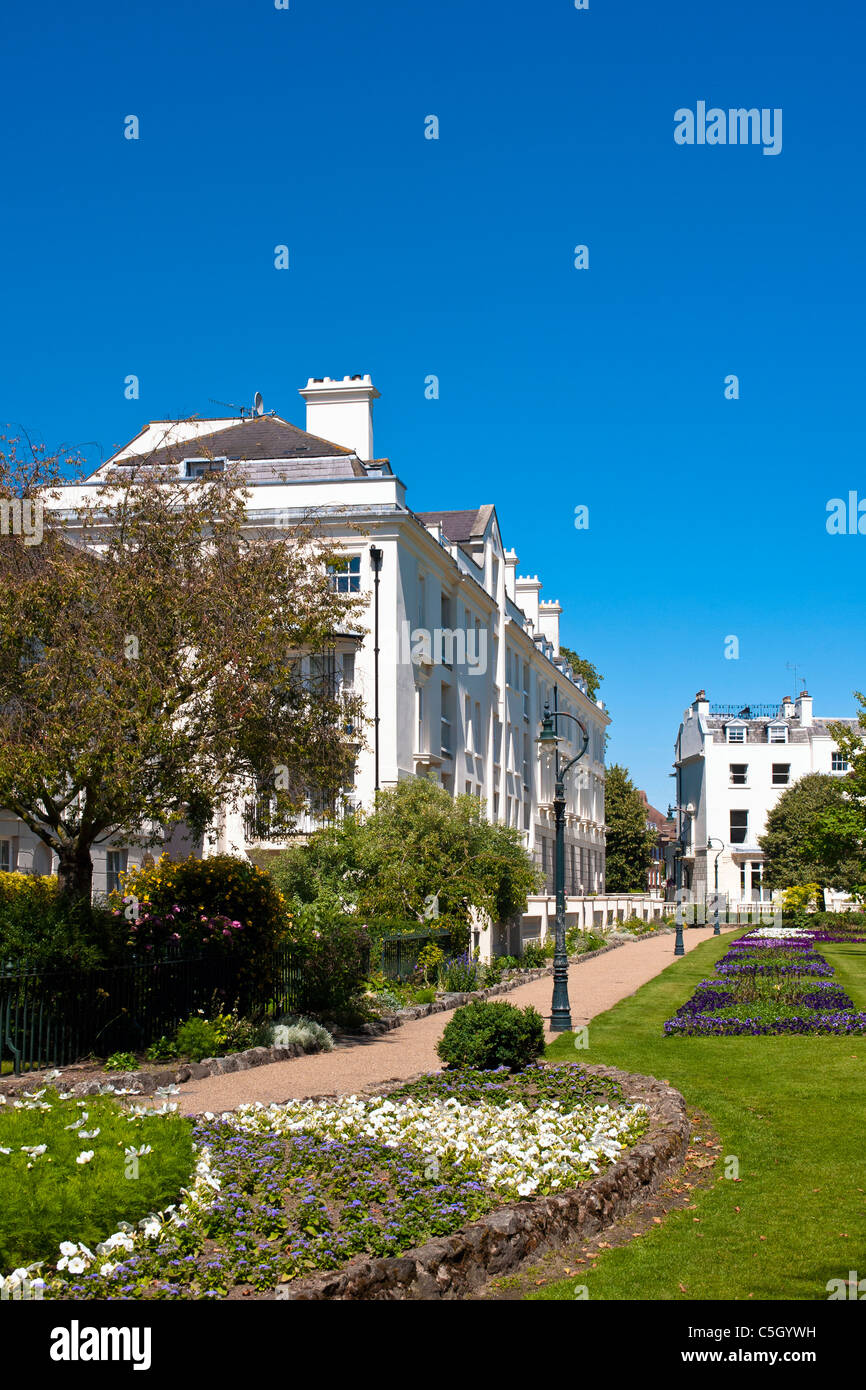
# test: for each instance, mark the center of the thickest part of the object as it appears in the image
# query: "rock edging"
(448, 1267)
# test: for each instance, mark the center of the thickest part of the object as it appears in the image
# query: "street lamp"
(679, 944)
(548, 742)
(721, 844)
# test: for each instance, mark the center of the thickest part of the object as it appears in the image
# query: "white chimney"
(511, 563)
(342, 412)
(804, 710)
(526, 597)
(549, 611)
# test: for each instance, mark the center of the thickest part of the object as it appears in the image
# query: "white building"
(468, 653)
(732, 765)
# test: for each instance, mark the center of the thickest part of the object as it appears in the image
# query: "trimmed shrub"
(197, 1038)
(486, 1035)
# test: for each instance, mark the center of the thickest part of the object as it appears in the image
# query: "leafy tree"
(584, 668)
(416, 844)
(814, 835)
(628, 843)
(150, 660)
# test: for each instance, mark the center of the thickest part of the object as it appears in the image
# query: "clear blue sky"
(409, 256)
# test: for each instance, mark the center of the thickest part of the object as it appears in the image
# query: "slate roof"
(261, 437)
(460, 527)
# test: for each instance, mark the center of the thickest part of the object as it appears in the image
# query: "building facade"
(457, 652)
(665, 831)
(731, 767)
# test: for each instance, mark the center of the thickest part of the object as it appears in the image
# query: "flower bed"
(770, 981)
(285, 1191)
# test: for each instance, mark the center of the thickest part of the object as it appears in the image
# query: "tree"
(584, 669)
(813, 836)
(628, 842)
(151, 660)
(416, 844)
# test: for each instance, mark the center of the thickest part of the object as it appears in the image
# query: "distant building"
(732, 765)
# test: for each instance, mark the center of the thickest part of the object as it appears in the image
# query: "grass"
(50, 1197)
(789, 1109)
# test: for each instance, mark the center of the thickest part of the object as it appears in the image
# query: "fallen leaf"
(657, 1220)
(696, 1218)
(762, 1237)
(736, 1208)
(683, 1288)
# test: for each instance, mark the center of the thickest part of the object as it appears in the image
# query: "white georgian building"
(732, 765)
(463, 708)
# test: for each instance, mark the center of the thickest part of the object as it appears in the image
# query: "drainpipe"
(376, 562)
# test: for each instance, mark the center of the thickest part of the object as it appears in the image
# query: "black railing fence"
(53, 1017)
(397, 955)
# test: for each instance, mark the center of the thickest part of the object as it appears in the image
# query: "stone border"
(449, 1267)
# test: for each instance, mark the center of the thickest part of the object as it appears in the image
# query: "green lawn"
(791, 1109)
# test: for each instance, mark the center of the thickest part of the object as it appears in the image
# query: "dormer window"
(777, 733)
(200, 468)
(736, 733)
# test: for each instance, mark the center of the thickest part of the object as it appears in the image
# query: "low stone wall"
(451, 1266)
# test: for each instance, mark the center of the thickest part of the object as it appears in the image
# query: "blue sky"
(454, 257)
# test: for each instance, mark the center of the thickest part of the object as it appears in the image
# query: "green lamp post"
(548, 742)
(710, 840)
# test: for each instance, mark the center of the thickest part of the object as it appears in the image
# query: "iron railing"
(53, 1017)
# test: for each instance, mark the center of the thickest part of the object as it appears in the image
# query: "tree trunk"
(75, 872)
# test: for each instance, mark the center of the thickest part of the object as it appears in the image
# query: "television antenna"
(241, 409)
(792, 666)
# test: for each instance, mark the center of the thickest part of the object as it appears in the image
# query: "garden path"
(594, 986)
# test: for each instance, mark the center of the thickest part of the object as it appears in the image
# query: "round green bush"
(487, 1035)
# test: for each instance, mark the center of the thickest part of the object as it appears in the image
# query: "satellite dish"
(258, 404)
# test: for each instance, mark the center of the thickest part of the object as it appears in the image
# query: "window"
(199, 468)
(736, 733)
(348, 670)
(419, 718)
(839, 763)
(346, 575)
(743, 881)
(323, 674)
(739, 774)
(115, 866)
(777, 733)
(739, 827)
(781, 774)
(5, 856)
(477, 739)
(468, 788)
(422, 601)
(445, 746)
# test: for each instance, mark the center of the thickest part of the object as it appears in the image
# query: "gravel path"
(593, 987)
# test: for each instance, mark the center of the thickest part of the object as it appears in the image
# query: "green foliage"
(460, 975)
(628, 843)
(41, 927)
(333, 956)
(812, 836)
(163, 1050)
(536, 954)
(418, 843)
(803, 897)
(50, 1198)
(122, 1061)
(197, 1038)
(430, 957)
(583, 668)
(486, 1035)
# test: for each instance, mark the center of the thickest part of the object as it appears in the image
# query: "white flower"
(34, 1150)
(106, 1269)
(87, 1133)
(77, 1265)
(68, 1247)
(85, 1156)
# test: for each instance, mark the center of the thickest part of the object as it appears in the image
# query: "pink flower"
(226, 931)
(236, 924)
(175, 936)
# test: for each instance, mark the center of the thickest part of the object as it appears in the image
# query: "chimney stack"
(549, 612)
(342, 412)
(511, 563)
(804, 709)
(701, 704)
(526, 591)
